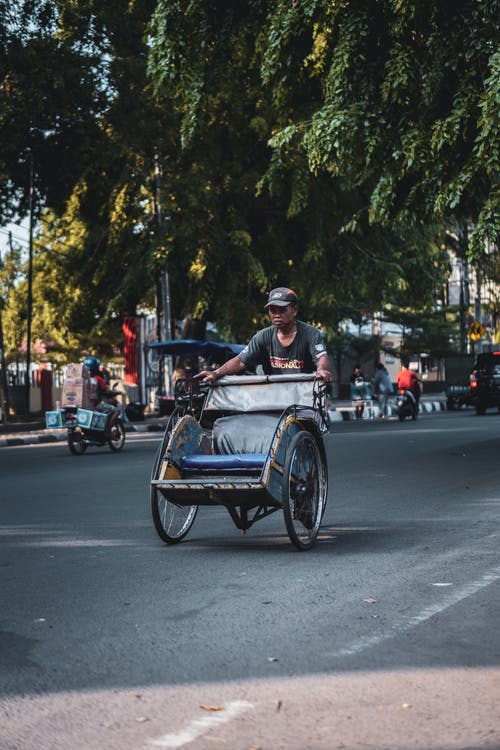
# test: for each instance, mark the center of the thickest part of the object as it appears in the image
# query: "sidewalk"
(344, 411)
(30, 433)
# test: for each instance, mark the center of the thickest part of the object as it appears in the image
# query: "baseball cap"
(281, 297)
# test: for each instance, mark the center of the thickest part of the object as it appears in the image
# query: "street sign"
(476, 330)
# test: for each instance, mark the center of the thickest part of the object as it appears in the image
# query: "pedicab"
(250, 443)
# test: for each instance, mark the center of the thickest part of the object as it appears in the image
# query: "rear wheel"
(116, 438)
(305, 487)
(172, 522)
(75, 442)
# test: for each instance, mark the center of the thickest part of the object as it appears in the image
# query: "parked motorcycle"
(104, 426)
(406, 405)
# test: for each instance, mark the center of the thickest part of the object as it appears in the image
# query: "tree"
(316, 144)
(244, 80)
(52, 92)
(409, 104)
(75, 99)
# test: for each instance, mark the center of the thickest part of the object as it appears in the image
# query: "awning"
(217, 350)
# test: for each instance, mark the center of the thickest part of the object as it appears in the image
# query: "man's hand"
(232, 367)
(209, 376)
(325, 375)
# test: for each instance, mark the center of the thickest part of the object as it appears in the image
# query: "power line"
(38, 244)
(8, 232)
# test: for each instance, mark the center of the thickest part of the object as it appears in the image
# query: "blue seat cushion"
(221, 462)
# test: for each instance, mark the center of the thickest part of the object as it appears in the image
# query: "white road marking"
(453, 598)
(198, 727)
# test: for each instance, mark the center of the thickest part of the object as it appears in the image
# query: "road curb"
(336, 414)
(57, 436)
(346, 413)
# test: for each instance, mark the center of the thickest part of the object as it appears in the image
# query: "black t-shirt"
(301, 356)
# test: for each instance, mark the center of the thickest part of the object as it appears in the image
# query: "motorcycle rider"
(106, 397)
(409, 381)
(358, 390)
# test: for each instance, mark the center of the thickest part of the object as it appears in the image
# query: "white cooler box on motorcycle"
(91, 420)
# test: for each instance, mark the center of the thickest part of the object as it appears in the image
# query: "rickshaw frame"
(204, 460)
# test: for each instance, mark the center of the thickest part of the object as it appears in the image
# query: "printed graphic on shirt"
(283, 363)
(301, 355)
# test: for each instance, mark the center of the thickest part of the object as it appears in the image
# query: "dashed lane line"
(454, 597)
(199, 727)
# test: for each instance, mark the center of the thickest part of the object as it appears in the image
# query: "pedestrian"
(286, 346)
(382, 386)
(358, 391)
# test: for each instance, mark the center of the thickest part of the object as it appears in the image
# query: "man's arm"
(323, 369)
(232, 367)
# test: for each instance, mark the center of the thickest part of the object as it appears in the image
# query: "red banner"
(130, 349)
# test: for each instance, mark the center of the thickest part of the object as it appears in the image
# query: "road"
(385, 635)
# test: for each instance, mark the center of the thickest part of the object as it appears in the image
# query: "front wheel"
(305, 487)
(172, 522)
(116, 438)
(75, 442)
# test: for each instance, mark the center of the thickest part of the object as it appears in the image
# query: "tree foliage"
(76, 104)
(322, 145)
(374, 139)
(409, 104)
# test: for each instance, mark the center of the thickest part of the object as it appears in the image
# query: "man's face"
(281, 317)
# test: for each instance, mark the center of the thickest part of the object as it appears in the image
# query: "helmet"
(93, 364)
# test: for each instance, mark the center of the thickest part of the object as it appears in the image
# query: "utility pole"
(159, 285)
(464, 287)
(163, 313)
(27, 381)
(4, 384)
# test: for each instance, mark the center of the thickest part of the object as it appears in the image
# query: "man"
(408, 380)
(358, 391)
(383, 388)
(106, 397)
(286, 346)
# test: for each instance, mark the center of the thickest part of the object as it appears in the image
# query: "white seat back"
(250, 393)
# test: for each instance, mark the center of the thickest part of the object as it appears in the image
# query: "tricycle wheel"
(172, 522)
(116, 439)
(305, 486)
(75, 442)
(174, 418)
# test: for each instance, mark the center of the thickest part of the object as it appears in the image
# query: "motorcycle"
(406, 405)
(86, 428)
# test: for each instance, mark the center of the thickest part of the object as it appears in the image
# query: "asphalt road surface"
(385, 635)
